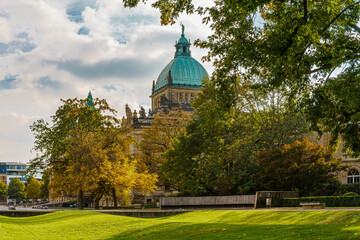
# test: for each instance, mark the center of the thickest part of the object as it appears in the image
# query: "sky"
(52, 50)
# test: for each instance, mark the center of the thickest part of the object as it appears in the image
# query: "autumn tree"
(16, 190)
(33, 189)
(116, 171)
(85, 148)
(302, 166)
(73, 122)
(3, 190)
(158, 138)
(308, 47)
(28, 180)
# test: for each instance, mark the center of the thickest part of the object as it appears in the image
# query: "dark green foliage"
(45, 186)
(331, 201)
(335, 188)
(16, 190)
(217, 155)
(330, 188)
(310, 48)
(354, 187)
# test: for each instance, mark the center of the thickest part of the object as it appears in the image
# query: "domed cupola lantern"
(183, 45)
(180, 81)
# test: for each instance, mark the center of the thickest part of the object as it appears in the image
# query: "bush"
(331, 188)
(151, 205)
(331, 201)
(335, 188)
(354, 187)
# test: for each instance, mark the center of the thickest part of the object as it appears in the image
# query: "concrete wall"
(23, 213)
(209, 201)
(275, 196)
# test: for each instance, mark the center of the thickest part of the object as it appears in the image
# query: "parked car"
(75, 205)
(40, 207)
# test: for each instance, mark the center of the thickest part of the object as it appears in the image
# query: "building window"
(353, 176)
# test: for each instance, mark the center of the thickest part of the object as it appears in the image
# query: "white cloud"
(124, 50)
(6, 34)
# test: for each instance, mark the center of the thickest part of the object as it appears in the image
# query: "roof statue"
(183, 71)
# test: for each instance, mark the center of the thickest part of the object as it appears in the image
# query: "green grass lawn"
(217, 224)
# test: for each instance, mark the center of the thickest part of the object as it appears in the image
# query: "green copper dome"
(183, 70)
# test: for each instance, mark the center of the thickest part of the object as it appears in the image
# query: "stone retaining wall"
(207, 202)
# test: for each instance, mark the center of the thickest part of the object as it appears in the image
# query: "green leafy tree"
(308, 47)
(16, 190)
(217, 156)
(44, 192)
(3, 190)
(33, 189)
(303, 166)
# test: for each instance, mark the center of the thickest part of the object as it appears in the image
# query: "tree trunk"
(80, 200)
(114, 198)
(97, 200)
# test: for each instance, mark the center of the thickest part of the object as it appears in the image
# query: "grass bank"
(217, 224)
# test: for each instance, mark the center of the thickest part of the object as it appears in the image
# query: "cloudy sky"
(52, 50)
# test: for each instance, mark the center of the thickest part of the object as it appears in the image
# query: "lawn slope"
(219, 224)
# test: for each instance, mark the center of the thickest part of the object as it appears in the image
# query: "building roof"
(183, 70)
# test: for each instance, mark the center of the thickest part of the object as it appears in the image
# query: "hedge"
(331, 201)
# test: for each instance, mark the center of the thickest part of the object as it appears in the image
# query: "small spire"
(90, 102)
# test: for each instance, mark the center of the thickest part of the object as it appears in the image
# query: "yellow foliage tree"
(33, 189)
(159, 138)
(87, 151)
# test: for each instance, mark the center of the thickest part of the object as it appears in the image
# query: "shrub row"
(331, 201)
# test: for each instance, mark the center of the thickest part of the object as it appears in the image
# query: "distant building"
(11, 170)
(3, 175)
